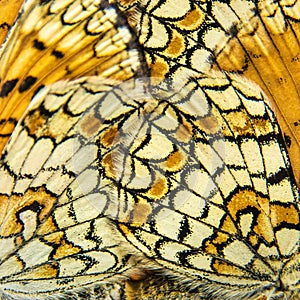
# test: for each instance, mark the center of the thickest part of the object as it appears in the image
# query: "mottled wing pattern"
(176, 36)
(186, 181)
(259, 39)
(198, 180)
(53, 40)
(54, 233)
(210, 189)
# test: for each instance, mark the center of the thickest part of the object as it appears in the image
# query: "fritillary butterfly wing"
(216, 203)
(258, 39)
(62, 39)
(243, 204)
(55, 234)
(265, 49)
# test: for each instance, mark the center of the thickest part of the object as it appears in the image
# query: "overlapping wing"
(197, 180)
(210, 191)
(195, 175)
(53, 40)
(55, 234)
(258, 39)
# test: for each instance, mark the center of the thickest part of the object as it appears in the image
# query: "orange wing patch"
(9, 13)
(266, 50)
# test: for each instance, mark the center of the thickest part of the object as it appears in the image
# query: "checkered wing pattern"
(181, 184)
(53, 40)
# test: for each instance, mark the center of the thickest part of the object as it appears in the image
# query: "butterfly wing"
(11, 9)
(210, 192)
(242, 195)
(187, 177)
(258, 39)
(265, 49)
(62, 39)
(55, 233)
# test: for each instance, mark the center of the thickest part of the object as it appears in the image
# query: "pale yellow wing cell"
(62, 39)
